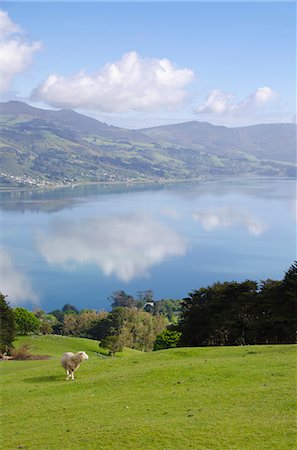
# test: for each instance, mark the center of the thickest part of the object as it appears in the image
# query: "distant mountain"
(41, 147)
(72, 120)
(266, 141)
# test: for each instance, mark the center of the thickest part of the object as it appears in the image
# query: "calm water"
(79, 245)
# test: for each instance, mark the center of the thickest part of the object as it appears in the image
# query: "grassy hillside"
(43, 147)
(198, 398)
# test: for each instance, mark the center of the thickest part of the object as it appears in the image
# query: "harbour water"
(77, 245)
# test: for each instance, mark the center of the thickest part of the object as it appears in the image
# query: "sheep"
(71, 362)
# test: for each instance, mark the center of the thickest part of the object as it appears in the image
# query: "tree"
(167, 339)
(108, 325)
(290, 299)
(168, 308)
(7, 325)
(263, 327)
(218, 314)
(26, 322)
(121, 299)
(140, 329)
(47, 321)
(274, 314)
(113, 343)
(81, 324)
(70, 325)
(144, 297)
(58, 314)
(290, 278)
(135, 328)
(234, 313)
(69, 309)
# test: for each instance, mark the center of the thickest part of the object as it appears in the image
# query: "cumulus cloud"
(229, 217)
(7, 27)
(14, 282)
(16, 52)
(131, 83)
(125, 247)
(218, 102)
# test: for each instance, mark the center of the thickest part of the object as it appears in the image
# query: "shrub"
(167, 339)
(23, 353)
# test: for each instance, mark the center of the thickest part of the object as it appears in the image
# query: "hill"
(267, 141)
(218, 398)
(46, 147)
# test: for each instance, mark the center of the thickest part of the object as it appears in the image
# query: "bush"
(167, 339)
(23, 353)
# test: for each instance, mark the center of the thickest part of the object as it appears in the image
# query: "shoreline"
(101, 183)
(201, 179)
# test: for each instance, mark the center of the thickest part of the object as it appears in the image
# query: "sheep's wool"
(71, 362)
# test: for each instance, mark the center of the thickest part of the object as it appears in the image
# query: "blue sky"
(149, 63)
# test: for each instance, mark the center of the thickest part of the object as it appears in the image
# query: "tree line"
(225, 313)
(132, 322)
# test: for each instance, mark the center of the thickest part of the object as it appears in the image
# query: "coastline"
(166, 182)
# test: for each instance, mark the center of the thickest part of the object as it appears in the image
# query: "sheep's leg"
(68, 374)
(72, 375)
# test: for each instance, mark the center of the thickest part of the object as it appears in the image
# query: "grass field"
(195, 398)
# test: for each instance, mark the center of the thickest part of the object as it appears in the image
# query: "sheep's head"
(83, 355)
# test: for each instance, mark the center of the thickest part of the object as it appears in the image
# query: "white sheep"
(71, 362)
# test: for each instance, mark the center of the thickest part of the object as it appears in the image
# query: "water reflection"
(125, 246)
(57, 199)
(227, 217)
(14, 282)
(182, 237)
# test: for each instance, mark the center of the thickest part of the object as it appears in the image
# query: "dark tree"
(290, 278)
(7, 325)
(108, 326)
(234, 313)
(58, 314)
(121, 299)
(67, 308)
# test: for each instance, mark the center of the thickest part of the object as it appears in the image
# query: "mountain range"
(45, 147)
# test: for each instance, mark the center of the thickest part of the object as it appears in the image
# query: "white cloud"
(16, 53)
(7, 27)
(125, 247)
(131, 83)
(228, 217)
(14, 283)
(218, 102)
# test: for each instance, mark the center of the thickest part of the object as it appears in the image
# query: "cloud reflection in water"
(228, 217)
(122, 246)
(14, 283)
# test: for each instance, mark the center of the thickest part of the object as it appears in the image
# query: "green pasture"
(186, 399)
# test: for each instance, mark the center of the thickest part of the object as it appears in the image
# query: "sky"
(140, 64)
